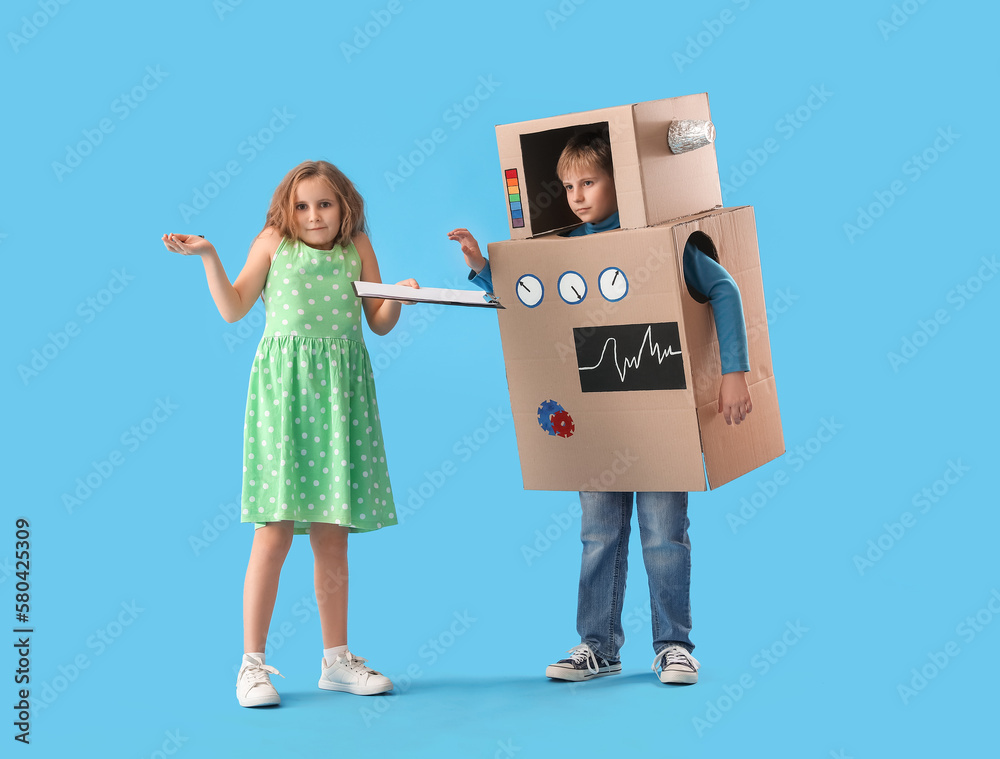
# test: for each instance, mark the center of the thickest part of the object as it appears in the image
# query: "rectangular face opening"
(542, 195)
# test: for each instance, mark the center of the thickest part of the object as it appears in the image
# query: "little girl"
(314, 461)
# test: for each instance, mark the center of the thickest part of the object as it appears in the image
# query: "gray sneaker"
(582, 664)
(676, 666)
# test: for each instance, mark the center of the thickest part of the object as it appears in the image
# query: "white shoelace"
(583, 652)
(675, 655)
(356, 664)
(257, 674)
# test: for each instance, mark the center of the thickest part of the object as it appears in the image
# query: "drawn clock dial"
(530, 290)
(572, 287)
(613, 284)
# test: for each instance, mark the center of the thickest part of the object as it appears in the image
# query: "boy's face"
(590, 193)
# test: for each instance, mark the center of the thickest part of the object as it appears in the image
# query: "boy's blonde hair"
(589, 150)
(352, 205)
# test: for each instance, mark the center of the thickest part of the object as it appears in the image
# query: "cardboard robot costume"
(612, 364)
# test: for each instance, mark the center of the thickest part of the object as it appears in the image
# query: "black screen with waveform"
(626, 357)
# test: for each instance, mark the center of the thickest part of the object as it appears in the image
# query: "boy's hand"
(409, 283)
(188, 245)
(734, 397)
(473, 256)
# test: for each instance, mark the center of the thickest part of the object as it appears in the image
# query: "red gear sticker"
(562, 422)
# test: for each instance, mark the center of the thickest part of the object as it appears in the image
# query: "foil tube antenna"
(686, 135)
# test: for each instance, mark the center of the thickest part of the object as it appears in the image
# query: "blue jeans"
(605, 529)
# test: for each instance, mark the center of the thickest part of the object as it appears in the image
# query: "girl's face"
(316, 213)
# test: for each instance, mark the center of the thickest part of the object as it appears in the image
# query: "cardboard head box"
(613, 365)
(653, 183)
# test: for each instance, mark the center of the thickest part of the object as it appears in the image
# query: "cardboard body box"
(612, 364)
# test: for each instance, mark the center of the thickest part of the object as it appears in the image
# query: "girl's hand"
(409, 283)
(188, 245)
(470, 248)
(734, 397)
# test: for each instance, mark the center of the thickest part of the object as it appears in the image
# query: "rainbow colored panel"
(514, 198)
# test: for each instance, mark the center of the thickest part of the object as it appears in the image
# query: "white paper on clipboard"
(441, 295)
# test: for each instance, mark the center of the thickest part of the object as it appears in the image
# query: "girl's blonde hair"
(352, 205)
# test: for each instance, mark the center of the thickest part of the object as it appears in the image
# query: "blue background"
(136, 590)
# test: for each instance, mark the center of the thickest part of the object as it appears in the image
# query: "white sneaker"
(676, 665)
(253, 684)
(348, 673)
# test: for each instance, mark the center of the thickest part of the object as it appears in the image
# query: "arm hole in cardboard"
(703, 243)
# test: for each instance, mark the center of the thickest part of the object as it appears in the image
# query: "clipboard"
(445, 296)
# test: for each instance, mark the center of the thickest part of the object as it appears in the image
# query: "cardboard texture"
(613, 366)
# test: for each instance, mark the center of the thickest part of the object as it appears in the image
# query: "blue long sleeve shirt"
(703, 274)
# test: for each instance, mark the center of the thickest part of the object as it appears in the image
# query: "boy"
(586, 171)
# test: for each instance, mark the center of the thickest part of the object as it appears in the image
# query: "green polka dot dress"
(313, 443)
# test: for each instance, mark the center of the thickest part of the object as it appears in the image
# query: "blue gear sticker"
(545, 411)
